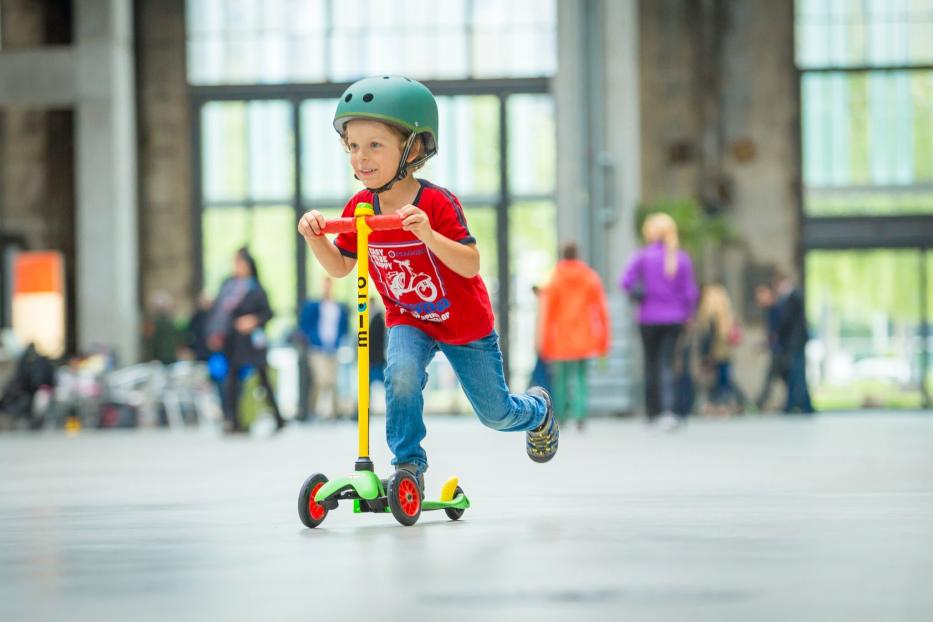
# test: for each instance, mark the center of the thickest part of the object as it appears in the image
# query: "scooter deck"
(366, 486)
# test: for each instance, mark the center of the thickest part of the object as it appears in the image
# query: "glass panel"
(467, 161)
(272, 243)
(223, 152)
(517, 38)
(271, 151)
(344, 289)
(482, 223)
(838, 33)
(223, 230)
(532, 255)
(868, 143)
(325, 167)
(926, 348)
(247, 41)
(864, 312)
(532, 144)
(274, 41)
(269, 234)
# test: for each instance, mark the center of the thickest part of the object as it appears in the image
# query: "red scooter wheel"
(404, 498)
(312, 514)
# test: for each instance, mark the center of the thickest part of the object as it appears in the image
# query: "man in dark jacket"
(791, 336)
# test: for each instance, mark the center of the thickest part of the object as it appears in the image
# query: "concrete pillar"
(107, 234)
(598, 183)
(623, 131)
(597, 99)
(569, 86)
(95, 77)
(165, 202)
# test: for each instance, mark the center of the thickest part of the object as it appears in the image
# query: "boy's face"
(375, 151)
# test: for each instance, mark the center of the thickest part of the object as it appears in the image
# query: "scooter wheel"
(312, 514)
(455, 513)
(404, 498)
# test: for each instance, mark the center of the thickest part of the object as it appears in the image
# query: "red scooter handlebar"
(376, 223)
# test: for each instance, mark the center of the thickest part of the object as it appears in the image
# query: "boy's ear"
(417, 148)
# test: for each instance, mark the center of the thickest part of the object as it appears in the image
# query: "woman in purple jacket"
(660, 278)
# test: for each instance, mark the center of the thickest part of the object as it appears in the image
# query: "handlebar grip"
(383, 222)
(339, 225)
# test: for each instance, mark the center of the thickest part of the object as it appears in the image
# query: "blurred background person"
(764, 298)
(196, 330)
(161, 335)
(659, 278)
(685, 372)
(324, 323)
(377, 341)
(236, 328)
(574, 326)
(791, 335)
(718, 333)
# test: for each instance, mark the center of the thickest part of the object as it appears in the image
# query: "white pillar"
(96, 77)
(623, 127)
(612, 177)
(107, 236)
(573, 196)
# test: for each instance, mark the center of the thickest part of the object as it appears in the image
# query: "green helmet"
(400, 101)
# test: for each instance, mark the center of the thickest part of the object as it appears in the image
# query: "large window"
(867, 138)
(867, 96)
(312, 41)
(247, 195)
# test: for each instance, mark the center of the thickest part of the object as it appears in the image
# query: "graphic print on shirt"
(407, 272)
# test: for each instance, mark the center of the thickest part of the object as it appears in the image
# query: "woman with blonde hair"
(660, 279)
(719, 334)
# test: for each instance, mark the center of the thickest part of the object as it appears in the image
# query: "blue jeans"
(478, 366)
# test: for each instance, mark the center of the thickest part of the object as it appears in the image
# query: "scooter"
(401, 493)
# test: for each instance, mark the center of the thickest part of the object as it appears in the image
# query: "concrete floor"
(747, 519)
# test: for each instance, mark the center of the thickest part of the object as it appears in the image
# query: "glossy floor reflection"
(746, 519)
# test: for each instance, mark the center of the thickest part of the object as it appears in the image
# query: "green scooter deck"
(368, 486)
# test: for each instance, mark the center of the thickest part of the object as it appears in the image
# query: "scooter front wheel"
(404, 498)
(311, 513)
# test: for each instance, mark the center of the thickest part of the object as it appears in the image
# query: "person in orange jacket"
(573, 327)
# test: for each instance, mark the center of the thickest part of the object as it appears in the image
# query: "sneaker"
(415, 471)
(669, 422)
(541, 443)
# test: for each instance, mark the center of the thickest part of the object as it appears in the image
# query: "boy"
(427, 273)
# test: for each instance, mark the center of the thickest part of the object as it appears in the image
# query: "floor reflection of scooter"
(419, 283)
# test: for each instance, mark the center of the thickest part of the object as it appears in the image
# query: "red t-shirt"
(416, 287)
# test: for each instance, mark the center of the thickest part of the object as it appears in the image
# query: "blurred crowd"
(214, 367)
(689, 335)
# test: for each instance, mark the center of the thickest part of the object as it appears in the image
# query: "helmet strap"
(403, 166)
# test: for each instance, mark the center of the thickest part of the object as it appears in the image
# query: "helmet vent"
(348, 97)
(368, 97)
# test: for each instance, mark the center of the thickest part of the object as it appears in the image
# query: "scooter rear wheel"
(455, 513)
(311, 513)
(404, 498)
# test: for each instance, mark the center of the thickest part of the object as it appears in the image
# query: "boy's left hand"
(416, 221)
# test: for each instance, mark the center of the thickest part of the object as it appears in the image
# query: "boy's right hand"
(311, 225)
